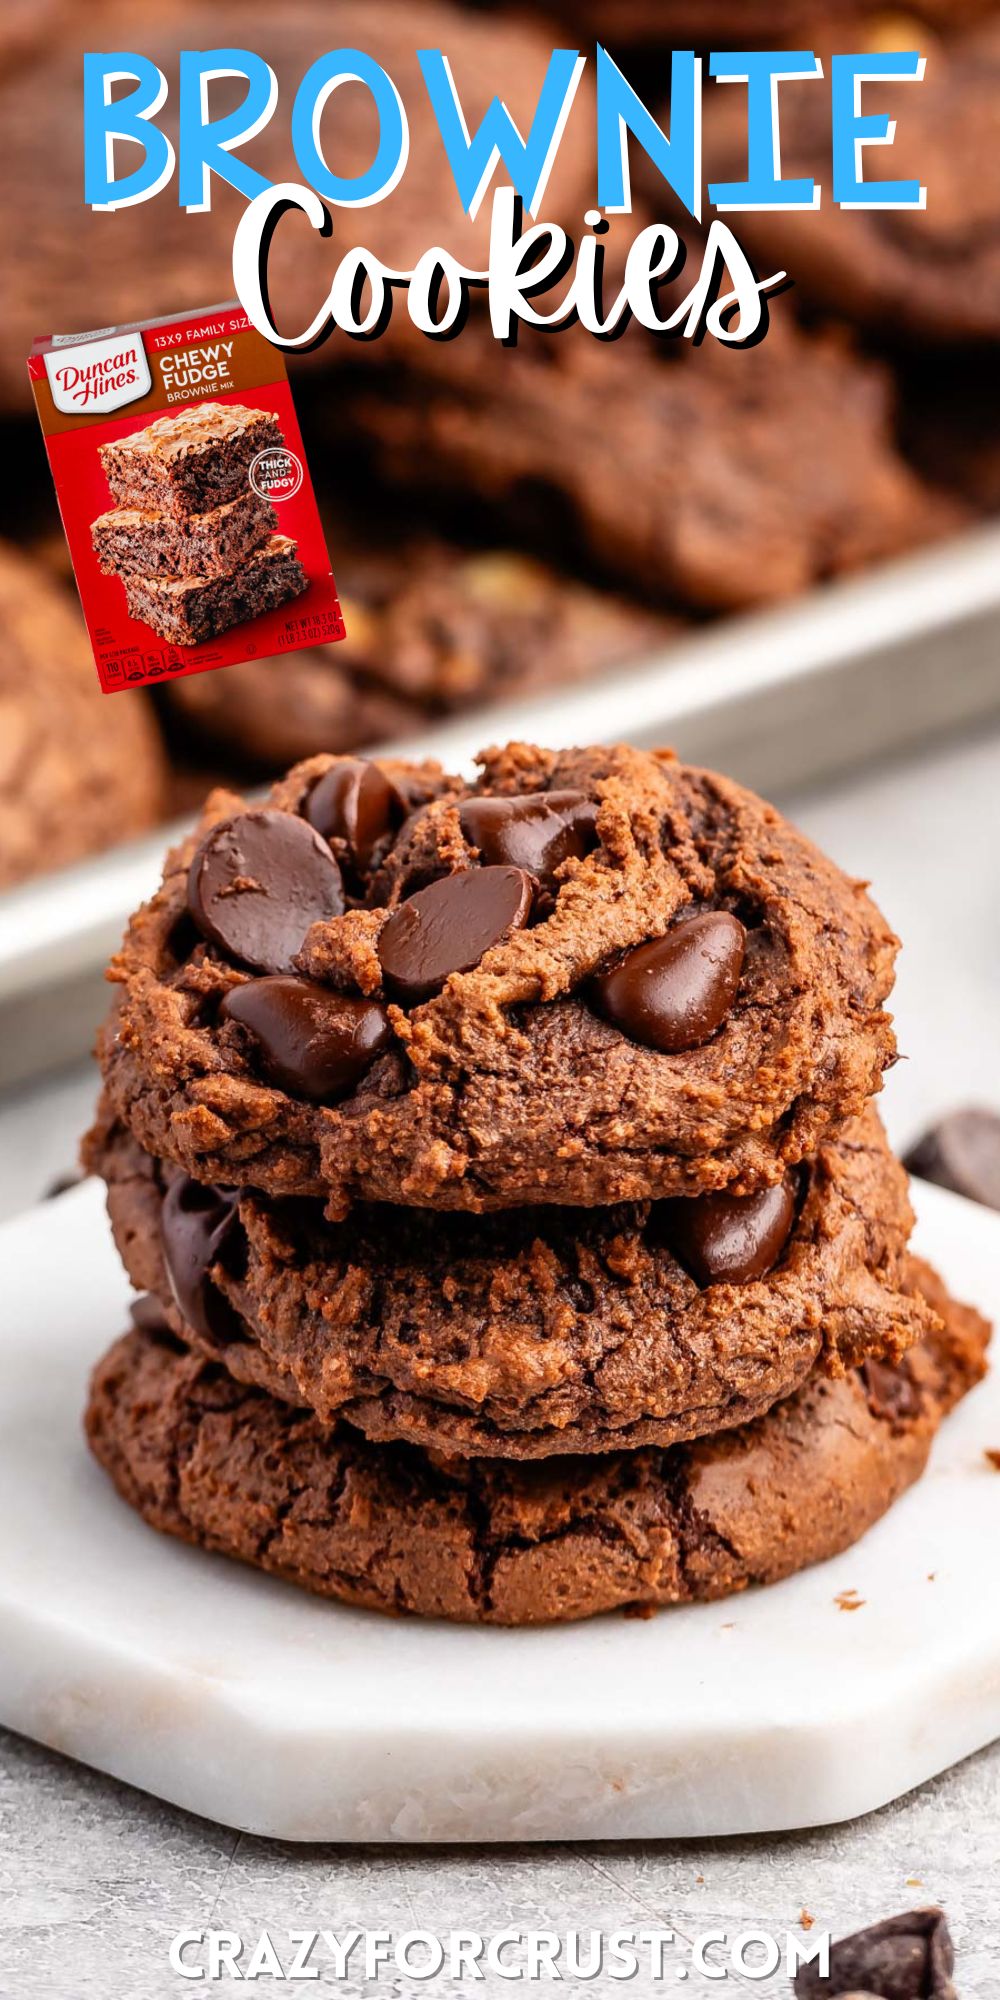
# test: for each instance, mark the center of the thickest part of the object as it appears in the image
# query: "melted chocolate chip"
(256, 884)
(354, 802)
(194, 1224)
(535, 830)
(147, 1315)
(673, 992)
(728, 1239)
(448, 926)
(903, 1958)
(313, 1042)
(892, 1393)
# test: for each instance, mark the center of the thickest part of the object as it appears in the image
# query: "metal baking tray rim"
(766, 693)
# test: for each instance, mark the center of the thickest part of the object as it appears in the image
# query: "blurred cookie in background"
(702, 24)
(79, 769)
(62, 261)
(432, 628)
(24, 25)
(714, 477)
(908, 275)
(950, 422)
(740, 24)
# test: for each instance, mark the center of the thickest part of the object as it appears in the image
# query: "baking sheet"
(862, 668)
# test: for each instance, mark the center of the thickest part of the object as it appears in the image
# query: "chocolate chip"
(312, 1042)
(729, 1239)
(194, 1223)
(535, 831)
(256, 884)
(673, 992)
(448, 926)
(892, 1393)
(904, 1958)
(147, 1315)
(961, 1152)
(354, 802)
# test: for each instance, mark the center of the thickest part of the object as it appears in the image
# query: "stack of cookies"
(190, 536)
(517, 1236)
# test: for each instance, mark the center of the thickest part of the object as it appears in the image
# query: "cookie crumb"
(806, 1920)
(993, 1457)
(848, 1600)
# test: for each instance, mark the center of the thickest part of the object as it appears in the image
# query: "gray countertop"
(95, 1878)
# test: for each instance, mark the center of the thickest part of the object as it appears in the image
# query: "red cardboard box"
(185, 495)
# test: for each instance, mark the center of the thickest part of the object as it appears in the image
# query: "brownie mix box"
(182, 482)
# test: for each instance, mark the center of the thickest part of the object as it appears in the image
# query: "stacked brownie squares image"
(191, 539)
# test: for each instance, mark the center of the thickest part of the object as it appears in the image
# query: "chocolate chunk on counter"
(910, 1957)
(961, 1152)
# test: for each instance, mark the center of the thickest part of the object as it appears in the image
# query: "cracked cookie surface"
(509, 1080)
(395, 1529)
(527, 1333)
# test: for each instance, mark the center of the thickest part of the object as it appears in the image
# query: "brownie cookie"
(592, 976)
(915, 275)
(394, 1529)
(79, 770)
(678, 471)
(262, 715)
(431, 628)
(530, 1332)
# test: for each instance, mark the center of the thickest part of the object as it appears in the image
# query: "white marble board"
(237, 1697)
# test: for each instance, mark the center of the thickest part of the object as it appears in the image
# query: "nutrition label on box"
(185, 495)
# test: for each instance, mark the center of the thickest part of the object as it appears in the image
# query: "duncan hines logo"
(96, 376)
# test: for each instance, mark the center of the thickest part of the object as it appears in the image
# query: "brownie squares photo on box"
(192, 462)
(192, 541)
(136, 541)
